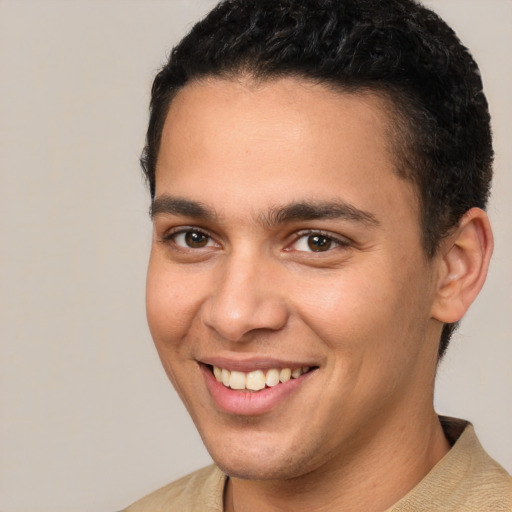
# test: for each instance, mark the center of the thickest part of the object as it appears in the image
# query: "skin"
(360, 431)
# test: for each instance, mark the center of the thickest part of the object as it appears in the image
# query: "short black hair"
(395, 48)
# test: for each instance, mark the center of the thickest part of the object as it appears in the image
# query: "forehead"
(279, 110)
(228, 138)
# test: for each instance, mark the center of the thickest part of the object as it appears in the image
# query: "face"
(285, 243)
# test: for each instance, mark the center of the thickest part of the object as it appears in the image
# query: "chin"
(259, 461)
(256, 470)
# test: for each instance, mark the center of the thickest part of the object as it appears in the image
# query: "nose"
(245, 299)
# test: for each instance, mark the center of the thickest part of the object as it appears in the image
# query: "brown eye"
(319, 243)
(196, 239)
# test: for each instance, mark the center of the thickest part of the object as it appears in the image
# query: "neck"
(370, 478)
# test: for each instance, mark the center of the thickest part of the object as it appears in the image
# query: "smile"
(257, 380)
(254, 387)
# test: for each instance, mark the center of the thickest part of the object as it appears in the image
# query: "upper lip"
(252, 363)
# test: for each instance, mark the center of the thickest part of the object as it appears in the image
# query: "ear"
(464, 260)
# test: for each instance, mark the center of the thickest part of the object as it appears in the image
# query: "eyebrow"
(182, 207)
(277, 215)
(317, 210)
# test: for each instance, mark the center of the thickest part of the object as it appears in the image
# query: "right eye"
(191, 239)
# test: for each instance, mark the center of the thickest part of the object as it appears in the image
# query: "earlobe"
(464, 260)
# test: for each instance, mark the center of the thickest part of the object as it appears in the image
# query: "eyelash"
(339, 242)
(171, 236)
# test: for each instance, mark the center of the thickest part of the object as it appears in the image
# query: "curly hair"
(395, 48)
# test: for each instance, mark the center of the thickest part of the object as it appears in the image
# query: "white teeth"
(237, 380)
(272, 378)
(297, 372)
(285, 375)
(257, 379)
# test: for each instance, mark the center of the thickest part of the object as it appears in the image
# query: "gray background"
(88, 420)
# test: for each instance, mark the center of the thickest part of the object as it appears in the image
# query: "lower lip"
(249, 403)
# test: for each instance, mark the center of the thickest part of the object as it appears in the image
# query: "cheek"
(169, 304)
(343, 306)
(370, 311)
(171, 307)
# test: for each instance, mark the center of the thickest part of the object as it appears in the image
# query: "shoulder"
(201, 490)
(467, 478)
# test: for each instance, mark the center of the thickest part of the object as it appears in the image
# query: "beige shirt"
(465, 479)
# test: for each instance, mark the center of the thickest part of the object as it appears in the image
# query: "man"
(319, 172)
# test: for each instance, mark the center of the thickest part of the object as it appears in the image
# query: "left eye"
(192, 239)
(315, 242)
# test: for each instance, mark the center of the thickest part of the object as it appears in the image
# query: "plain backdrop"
(88, 421)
